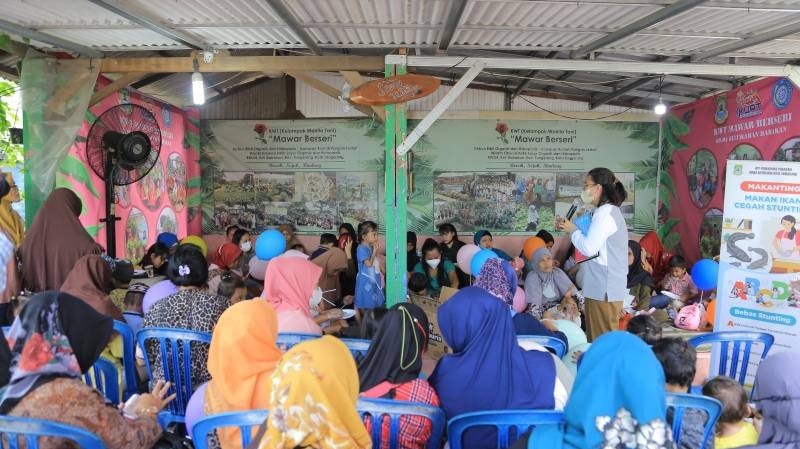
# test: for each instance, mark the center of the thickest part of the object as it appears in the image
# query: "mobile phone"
(127, 409)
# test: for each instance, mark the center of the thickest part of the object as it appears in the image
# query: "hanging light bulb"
(198, 87)
(660, 108)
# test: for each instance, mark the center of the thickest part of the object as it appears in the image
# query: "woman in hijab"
(241, 360)
(10, 221)
(778, 399)
(56, 339)
(483, 239)
(498, 278)
(617, 398)
(547, 286)
(288, 231)
(91, 281)
(191, 307)
(640, 282)
(313, 400)
(655, 258)
(54, 242)
(226, 258)
(487, 369)
(391, 370)
(348, 243)
(289, 285)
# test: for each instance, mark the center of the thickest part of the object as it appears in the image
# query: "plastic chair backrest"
(104, 377)
(12, 429)
(548, 342)
(503, 421)
(245, 421)
(6, 329)
(128, 358)
(288, 339)
(382, 408)
(681, 402)
(174, 351)
(742, 344)
(357, 347)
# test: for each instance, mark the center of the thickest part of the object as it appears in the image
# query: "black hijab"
(395, 354)
(56, 335)
(636, 272)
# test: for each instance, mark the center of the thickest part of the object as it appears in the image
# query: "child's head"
(677, 266)
(232, 287)
(678, 358)
(549, 241)
(327, 240)
(368, 232)
(418, 283)
(411, 241)
(732, 396)
(370, 321)
(646, 328)
(134, 297)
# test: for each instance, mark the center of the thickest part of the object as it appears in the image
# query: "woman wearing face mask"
(604, 278)
(243, 238)
(439, 271)
(291, 286)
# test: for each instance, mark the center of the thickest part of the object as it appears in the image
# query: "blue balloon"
(270, 244)
(479, 259)
(704, 274)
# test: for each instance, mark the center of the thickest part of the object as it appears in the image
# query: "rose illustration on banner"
(502, 129)
(261, 130)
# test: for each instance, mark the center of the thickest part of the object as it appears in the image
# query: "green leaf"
(671, 241)
(76, 169)
(668, 226)
(194, 199)
(5, 43)
(94, 229)
(666, 181)
(194, 182)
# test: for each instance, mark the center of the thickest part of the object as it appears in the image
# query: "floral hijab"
(498, 278)
(617, 400)
(55, 335)
(313, 399)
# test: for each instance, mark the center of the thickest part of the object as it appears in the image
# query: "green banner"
(511, 177)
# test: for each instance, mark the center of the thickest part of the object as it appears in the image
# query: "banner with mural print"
(167, 199)
(509, 177)
(759, 282)
(752, 122)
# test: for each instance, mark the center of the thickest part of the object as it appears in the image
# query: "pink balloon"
(196, 408)
(156, 293)
(519, 300)
(464, 257)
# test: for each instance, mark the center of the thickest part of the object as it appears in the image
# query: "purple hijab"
(778, 399)
(498, 278)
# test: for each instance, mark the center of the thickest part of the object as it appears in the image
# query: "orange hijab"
(241, 360)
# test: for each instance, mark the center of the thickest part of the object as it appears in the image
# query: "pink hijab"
(288, 285)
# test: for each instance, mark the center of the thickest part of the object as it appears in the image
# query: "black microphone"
(576, 204)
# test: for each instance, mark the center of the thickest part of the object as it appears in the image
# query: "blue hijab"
(477, 239)
(618, 393)
(488, 370)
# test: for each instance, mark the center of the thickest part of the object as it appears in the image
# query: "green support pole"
(395, 197)
(33, 197)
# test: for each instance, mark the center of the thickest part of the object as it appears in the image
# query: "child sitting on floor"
(232, 287)
(679, 359)
(133, 313)
(645, 327)
(732, 429)
(677, 282)
(418, 284)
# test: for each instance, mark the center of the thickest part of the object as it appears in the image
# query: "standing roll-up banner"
(759, 278)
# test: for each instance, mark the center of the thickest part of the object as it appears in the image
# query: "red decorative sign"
(395, 89)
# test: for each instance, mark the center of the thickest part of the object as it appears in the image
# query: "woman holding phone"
(604, 278)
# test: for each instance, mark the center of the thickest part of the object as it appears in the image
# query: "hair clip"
(184, 270)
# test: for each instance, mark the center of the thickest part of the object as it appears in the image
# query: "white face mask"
(316, 298)
(246, 246)
(433, 263)
(586, 197)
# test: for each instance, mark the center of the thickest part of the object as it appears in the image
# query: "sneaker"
(672, 313)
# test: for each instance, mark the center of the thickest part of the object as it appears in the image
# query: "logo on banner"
(721, 113)
(748, 103)
(782, 93)
(737, 169)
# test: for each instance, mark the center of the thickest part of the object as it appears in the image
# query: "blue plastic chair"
(548, 342)
(6, 329)
(174, 351)
(104, 377)
(378, 409)
(128, 359)
(245, 421)
(288, 339)
(503, 421)
(14, 429)
(681, 402)
(357, 347)
(742, 344)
